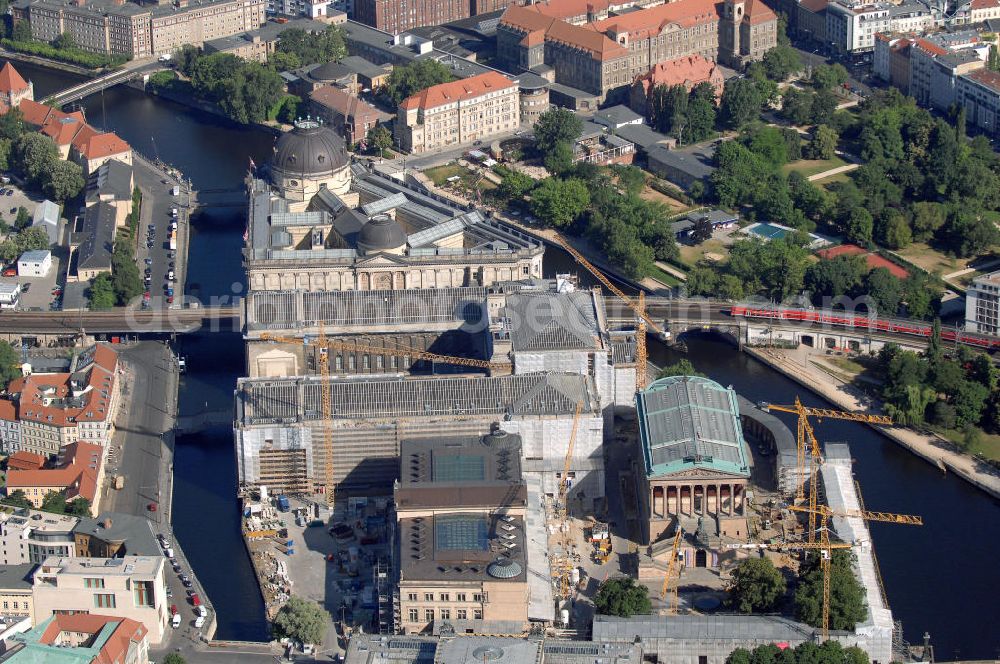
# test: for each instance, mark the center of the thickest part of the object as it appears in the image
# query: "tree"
(311, 47)
(622, 597)
(860, 226)
(34, 155)
(125, 274)
(302, 620)
(12, 124)
(79, 507)
(32, 239)
(796, 105)
(739, 656)
(23, 219)
(701, 113)
(823, 144)
(414, 77)
(680, 368)
(701, 231)
(65, 41)
(379, 138)
(65, 181)
(282, 61)
(756, 586)
(967, 234)
(10, 364)
(631, 179)
(825, 77)
(54, 501)
(928, 217)
(287, 111)
(559, 159)
(741, 102)
(559, 202)
(185, 58)
(514, 184)
(173, 658)
(894, 229)
(557, 125)
(766, 142)
(885, 290)
(781, 62)
(847, 606)
(824, 103)
(17, 499)
(102, 292)
(834, 277)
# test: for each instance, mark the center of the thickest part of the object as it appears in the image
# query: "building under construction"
(279, 426)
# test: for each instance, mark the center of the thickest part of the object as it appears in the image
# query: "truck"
(118, 482)
(173, 242)
(283, 505)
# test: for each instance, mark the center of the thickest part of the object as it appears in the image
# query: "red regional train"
(862, 322)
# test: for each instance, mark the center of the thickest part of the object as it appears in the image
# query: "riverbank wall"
(51, 64)
(933, 449)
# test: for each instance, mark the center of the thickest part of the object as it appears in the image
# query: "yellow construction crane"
(806, 439)
(639, 309)
(671, 563)
(826, 547)
(564, 567)
(324, 372)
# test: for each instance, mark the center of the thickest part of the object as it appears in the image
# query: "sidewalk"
(795, 365)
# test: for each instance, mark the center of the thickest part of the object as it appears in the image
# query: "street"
(154, 253)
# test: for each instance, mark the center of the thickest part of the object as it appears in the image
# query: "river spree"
(942, 578)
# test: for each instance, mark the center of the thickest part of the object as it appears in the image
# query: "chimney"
(107, 524)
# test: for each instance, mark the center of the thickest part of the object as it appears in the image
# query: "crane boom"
(578, 257)
(564, 566)
(324, 370)
(671, 562)
(885, 517)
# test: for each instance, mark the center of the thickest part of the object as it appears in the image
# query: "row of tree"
(829, 652)
(958, 392)
(36, 158)
(53, 501)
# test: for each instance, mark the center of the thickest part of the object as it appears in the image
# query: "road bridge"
(91, 86)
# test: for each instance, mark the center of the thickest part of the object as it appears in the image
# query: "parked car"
(175, 622)
(201, 610)
(199, 621)
(195, 600)
(173, 609)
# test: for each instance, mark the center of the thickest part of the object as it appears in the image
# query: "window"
(461, 597)
(477, 597)
(412, 597)
(462, 614)
(144, 593)
(445, 614)
(429, 615)
(445, 597)
(104, 601)
(428, 597)
(477, 614)
(414, 615)
(93, 583)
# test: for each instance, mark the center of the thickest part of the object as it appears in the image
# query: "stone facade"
(606, 56)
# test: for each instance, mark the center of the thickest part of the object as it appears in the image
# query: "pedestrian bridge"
(94, 85)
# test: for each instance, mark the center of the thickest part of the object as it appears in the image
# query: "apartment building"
(978, 92)
(115, 27)
(348, 115)
(78, 474)
(15, 590)
(81, 639)
(460, 509)
(396, 16)
(851, 27)
(30, 536)
(458, 112)
(55, 410)
(604, 57)
(982, 303)
(129, 587)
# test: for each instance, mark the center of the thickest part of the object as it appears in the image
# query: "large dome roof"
(309, 149)
(381, 233)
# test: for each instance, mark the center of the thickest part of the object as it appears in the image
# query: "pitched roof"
(651, 21)
(689, 70)
(99, 231)
(815, 6)
(930, 47)
(976, 4)
(114, 635)
(460, 90)
(63, 130)
(95, 145)
(11, 80)
(77, 475)
(39, 114)
(22, 460)
(987, 78)
(343, 102)
(757, 12)
(540, 27)
(564, 9)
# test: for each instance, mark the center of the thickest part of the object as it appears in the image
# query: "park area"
(809, 167)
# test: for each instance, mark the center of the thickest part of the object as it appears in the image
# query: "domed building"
(309, 158)
(381, 234)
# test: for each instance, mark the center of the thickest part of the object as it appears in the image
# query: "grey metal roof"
(16, 577)
(551, 321)
(315, 218)
(99, 236)
(695, 162)
(690, 421)
(765, 629)
(641, 135)
(363, 67)
(616, 115)
(384, 205)
(270, 400)
(135, 531)
(461, 547)
(459, 648)
(46, 212)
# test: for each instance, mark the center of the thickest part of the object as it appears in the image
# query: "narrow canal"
(942, 578)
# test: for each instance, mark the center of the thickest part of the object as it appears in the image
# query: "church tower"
(732, 19)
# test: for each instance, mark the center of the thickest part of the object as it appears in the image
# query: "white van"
(199, 621)
(168, 552)
(175, 621)
(201, 610)
(173, 212)
(170, 275)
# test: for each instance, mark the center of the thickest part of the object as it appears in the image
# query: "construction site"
(476, 450)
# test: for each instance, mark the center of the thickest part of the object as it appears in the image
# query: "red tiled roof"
(651, 21)
(976, 4)
(986, 77)
(11, 80)
(343, 102)
(25, 461)
(466, 88)
(62, 130)
(757, 12)
(540, 27)
(873, 260)
(78, 475)
(815, 6)
(564, 9)
(931, 47)
(690, 70)
(94, 145)
(115, 649)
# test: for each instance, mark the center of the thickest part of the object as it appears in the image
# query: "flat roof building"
(30, 536)
(81, 639)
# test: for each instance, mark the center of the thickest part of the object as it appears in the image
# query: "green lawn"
(692, 255)
(664, 277)
(988, 444)
(845, 364)
(440, 174)
(932, 260)
(839, 177)
(809, 167)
